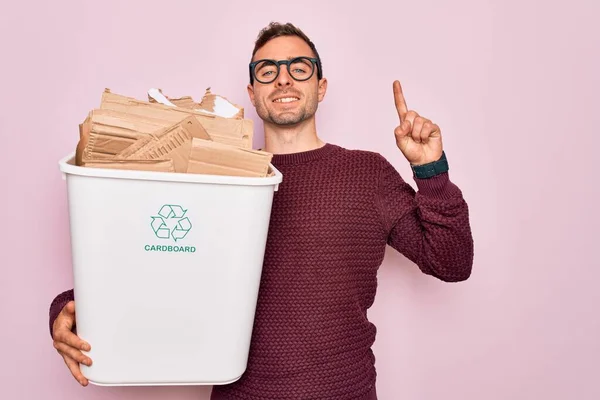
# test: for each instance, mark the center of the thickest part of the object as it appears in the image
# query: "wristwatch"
(431, 169)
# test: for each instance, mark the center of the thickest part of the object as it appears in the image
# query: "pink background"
(514, 86)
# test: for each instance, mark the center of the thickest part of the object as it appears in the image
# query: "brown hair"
(276, 29)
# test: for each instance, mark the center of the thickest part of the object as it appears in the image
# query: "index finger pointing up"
(400, 101)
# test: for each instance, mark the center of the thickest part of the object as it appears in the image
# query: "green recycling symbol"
(171, 222)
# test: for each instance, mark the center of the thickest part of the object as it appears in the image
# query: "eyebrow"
(261, 66)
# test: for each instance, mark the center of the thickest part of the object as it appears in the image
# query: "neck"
(287, 139)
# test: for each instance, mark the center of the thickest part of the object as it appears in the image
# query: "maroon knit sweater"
(334, 214)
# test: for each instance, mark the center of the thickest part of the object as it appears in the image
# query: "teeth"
(286, 100)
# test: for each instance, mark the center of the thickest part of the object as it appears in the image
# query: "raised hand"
(419, 139)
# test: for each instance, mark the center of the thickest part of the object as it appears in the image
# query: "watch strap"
(431, 169)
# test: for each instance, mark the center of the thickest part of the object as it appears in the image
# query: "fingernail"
(85, 347)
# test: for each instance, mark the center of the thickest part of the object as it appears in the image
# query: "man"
(332, 218)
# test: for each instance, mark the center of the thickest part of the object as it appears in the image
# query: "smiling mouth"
(286, 100)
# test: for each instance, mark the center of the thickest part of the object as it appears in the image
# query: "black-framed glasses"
(299, 68)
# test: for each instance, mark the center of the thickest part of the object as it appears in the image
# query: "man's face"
(305, 96)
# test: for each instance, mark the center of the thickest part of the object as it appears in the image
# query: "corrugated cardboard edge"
(175, 144)
(213, 157)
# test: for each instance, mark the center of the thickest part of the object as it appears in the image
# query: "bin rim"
(67, 167)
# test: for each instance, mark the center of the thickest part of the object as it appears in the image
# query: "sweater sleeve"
(431, 226)
(58, 304)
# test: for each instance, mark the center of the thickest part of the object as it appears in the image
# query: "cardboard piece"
(106, 133)
(174, 144)
(84, 137)
(211, 104)
(125, 133)
(237, 132)
(215, 158)
(214, 104)
(157, 96)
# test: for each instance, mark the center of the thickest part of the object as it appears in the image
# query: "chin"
(286, 123)
(287, 120)
(291, 117)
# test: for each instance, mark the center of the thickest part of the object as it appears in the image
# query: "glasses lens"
(265, 71)
(301, 69)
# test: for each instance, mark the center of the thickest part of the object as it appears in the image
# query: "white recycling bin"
(166, 270)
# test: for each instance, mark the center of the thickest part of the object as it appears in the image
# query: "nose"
(284, 79)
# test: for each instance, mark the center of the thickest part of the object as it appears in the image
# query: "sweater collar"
(304, 156)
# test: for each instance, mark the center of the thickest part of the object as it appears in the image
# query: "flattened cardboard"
(238, 132)
(220, 159)
(106, 133)
(145, 124)
(212, 104)
(174, 144)
(125, 133)
(118, 123)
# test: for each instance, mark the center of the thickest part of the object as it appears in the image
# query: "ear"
(322, 89)
(251, 94)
